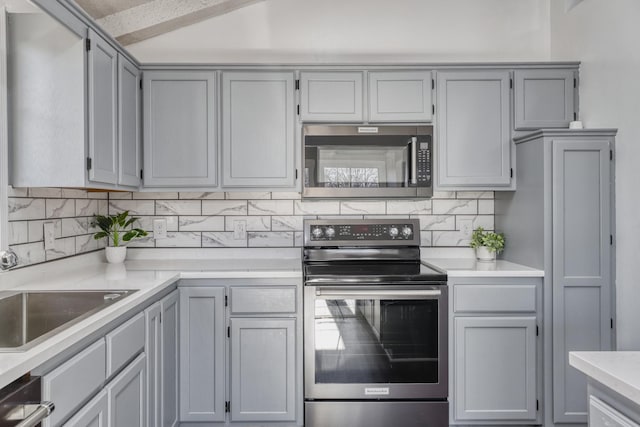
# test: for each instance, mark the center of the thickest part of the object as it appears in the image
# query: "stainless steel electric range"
(375, 332)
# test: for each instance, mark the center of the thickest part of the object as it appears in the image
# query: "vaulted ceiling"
(131, 21)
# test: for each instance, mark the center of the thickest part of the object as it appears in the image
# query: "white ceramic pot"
(115, 254)
(484, 254)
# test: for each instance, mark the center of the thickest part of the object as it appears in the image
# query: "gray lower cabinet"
(258, 130)
(544, 98)
(93, 414)
(602, 414)
(473, 149)
(103, 110)
(567, 200)
(400, 96)
(241, 352)
(495, 355)
(495, 368)
(161, 348)
(127, 395)
(327, 96)
(180, 129)
(263, 369)
(202, 343)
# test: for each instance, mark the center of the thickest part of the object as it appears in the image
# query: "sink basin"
(28, 318)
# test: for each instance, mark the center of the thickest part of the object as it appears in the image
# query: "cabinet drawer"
(603, 415)
(259, 299)
(124, 342)
(494, 298)
(74, 382)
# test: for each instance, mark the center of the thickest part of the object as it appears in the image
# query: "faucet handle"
(8, 259)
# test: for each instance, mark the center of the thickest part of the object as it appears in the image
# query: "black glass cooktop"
(371, 272)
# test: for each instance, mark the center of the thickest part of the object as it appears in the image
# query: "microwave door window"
(352, 167)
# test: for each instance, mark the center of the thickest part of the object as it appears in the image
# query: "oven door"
(376, 342)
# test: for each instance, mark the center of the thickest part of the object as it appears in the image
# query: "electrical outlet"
(239, 229)
(160, 228)
(49, 235)
(466, 227)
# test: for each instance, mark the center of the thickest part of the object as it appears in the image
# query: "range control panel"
(375, 231)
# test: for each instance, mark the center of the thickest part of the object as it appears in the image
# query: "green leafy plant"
(493, 241)
(116, 228)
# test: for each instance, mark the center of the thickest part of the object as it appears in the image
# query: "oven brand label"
(376, 391)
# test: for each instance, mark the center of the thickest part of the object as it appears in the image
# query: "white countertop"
(149, 277)
(617, 370)
(469, 267)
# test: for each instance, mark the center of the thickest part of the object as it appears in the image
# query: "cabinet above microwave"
(350, 161)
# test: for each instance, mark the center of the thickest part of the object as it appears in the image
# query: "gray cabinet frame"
(129, 149)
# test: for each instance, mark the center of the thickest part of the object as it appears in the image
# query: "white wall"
(604, 36)
(285, 31)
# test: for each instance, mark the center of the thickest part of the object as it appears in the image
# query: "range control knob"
(330, 232)
(393, 231)
(406, 231)
(316, 232)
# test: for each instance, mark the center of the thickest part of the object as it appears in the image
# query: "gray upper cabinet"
(258, 129)
(331, 96)
(259, 393)
(473, 130)
(180, 129)
(544, 98)
(103, 110)
(400, 96)
(128, 123)
(202, 340)
(582, 264)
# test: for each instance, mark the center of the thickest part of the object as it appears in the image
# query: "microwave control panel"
(424, 163)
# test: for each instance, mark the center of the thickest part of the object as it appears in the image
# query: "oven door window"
(368, 341)
(351, 166)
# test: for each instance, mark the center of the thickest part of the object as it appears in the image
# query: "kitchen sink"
(28, 318)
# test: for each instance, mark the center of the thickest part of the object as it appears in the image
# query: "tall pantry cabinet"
(565, 197)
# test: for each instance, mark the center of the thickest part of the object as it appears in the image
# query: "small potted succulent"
(487, 244)
(116, 229)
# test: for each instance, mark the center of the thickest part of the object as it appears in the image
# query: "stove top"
(365, 252)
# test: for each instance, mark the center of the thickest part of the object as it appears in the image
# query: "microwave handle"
(413, 175)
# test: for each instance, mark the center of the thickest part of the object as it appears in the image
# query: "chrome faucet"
(8, 259)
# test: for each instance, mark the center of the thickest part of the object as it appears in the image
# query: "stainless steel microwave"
(349, 161)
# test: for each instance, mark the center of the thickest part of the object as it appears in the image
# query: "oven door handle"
(378, 294)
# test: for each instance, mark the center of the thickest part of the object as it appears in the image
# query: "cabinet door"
(543, 98)
(93, 414)
(581, 266)
(263, 369)
(170, 368)
(127, 396)
(258, 123)
(495, 368)
(202, 372)
(153, 351)
(473, 143)
(103, 104)
(179, 129)
(331, 96)
(400, 96)
(128, 123)
(603, 415)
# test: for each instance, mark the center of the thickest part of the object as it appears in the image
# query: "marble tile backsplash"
(208, 219)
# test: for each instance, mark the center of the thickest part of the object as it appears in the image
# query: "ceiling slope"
(131, 21)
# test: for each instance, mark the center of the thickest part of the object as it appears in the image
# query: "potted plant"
(115, 229)
(487, 244)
